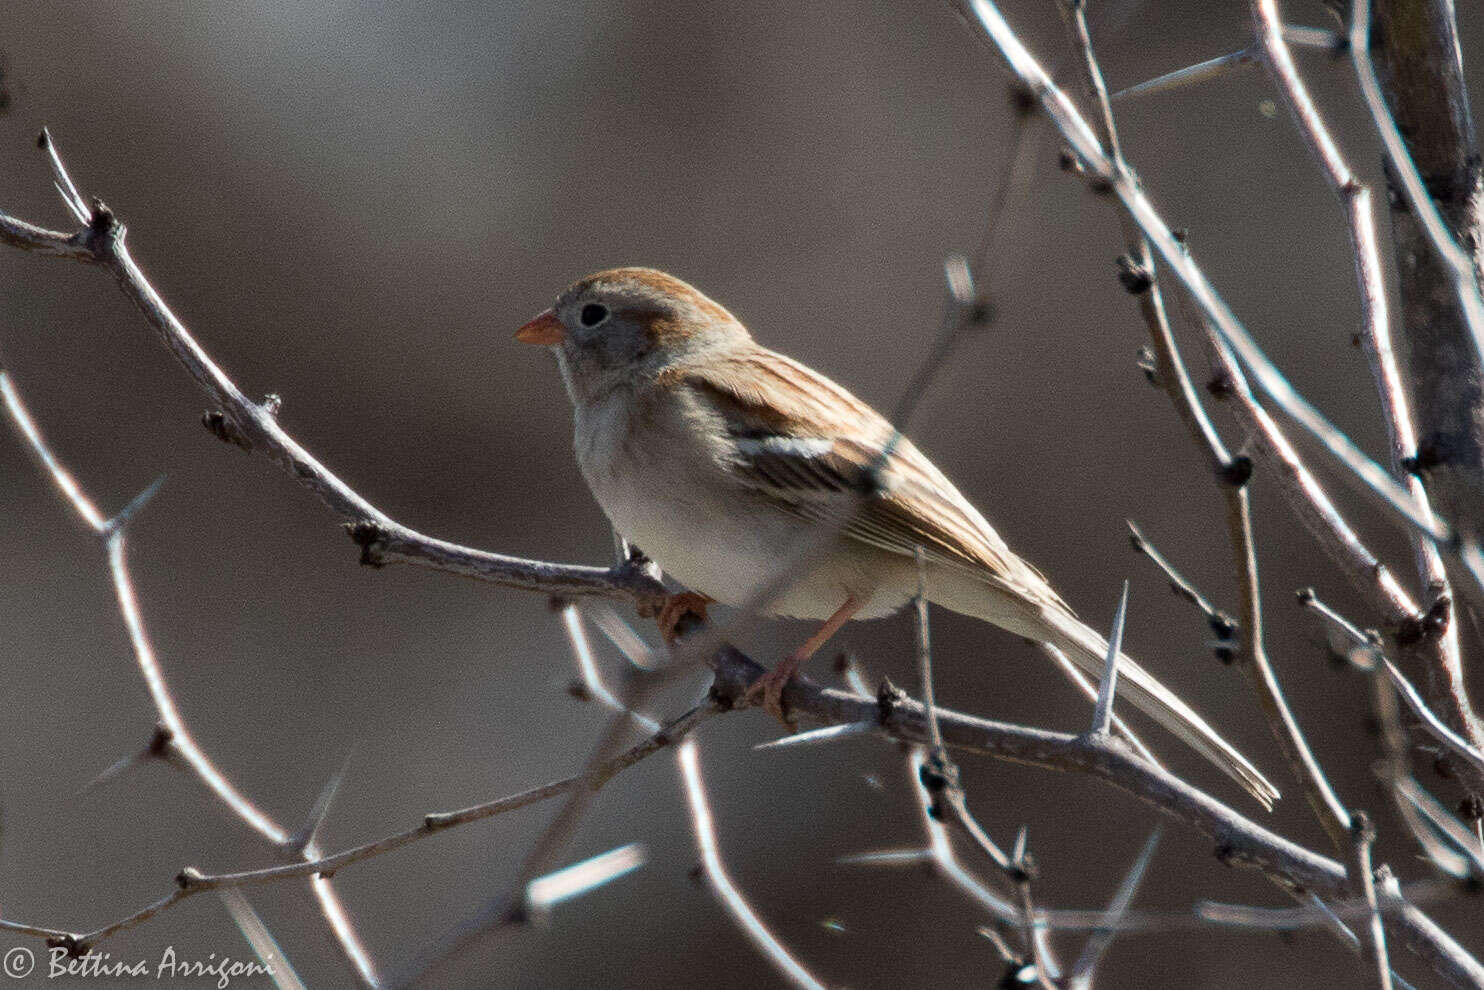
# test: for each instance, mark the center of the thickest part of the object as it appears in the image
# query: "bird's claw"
(676, 608)
(768, 690)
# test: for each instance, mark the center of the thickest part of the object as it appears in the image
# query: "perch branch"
(1239, 841)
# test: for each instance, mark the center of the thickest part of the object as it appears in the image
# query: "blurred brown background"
(355, 205)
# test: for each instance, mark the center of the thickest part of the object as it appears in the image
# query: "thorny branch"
(1444, 675)
(1239, 841)
(191, 881)
(1089, 152)
(1231, 472)
(173, 740)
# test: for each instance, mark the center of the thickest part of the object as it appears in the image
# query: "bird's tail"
(1088, 650)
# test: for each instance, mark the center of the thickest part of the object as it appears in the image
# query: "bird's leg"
(677, 607)
(771, 684)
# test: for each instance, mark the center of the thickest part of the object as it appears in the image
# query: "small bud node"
(1135, 277)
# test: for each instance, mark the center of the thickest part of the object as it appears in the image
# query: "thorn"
(1209, 69)
(71, 198)
(159, 747)
(1102, 937)
(1102, 715)
(301, 839)
(128, 512)
(960, 280)
(827, 734)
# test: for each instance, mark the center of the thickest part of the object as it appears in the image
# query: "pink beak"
(544, 331)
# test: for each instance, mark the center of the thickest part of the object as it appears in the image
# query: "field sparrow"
(717, 457)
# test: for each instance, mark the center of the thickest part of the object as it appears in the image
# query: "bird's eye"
(593, 314)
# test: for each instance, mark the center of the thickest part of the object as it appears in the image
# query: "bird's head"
(626, 325)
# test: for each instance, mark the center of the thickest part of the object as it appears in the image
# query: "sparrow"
(718, 457)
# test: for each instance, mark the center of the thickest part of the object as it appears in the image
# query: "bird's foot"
(676, 608)
(768, 689)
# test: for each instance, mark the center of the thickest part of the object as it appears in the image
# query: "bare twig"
(940, 780)
(1222, 625)
(175, 737)
(192, 881)
(546, 852)
(1434, 725)
(1372, 933)
(1359, 647)
(1425, 80)
(1085, 145)
(1388, 683)
(262, 941)
(1444, 822)
(1355, 198)
(1232, 472)
(1249, 649)
(1414, 634)
(939, 853)
(1253, 654)
(253, 425)
(687, 757)
(1137, 269)
(924, 654)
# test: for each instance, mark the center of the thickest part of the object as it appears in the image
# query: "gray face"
(607, 328)
(623, 326)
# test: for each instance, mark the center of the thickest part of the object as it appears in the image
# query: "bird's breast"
(659, 475)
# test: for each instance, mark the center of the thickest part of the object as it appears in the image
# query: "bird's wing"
(805, 441)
